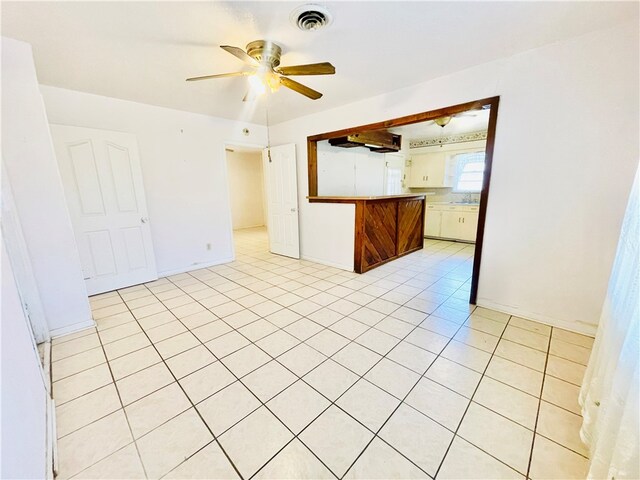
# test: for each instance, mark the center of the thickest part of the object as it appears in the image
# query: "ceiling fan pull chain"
(266, 110)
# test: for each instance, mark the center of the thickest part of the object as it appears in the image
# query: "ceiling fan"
(444, 121)
(264, 59)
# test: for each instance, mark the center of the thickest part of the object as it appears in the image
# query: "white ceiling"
(143, 51)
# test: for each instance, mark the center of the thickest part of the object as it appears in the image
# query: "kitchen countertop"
(463, 204)
(353, 199)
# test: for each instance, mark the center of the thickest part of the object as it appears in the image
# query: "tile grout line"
(113, 380)
(239, 379)
(402, 402)
(544, 374)
(455, 433)
(535, 427)
(215, 439)
(120, 399)
(361, 377)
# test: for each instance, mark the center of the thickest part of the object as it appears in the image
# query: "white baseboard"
(577, 327)
(76, 327)
(52, 441)
(50, 408)
(348, 268)
(195, 266)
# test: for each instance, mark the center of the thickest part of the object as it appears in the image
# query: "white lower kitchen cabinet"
(468, 226)
(433, 221)
(450, 224)
(454, 222)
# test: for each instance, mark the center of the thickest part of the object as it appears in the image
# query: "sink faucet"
(467, 198)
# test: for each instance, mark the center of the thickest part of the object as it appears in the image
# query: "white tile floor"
(270, 367)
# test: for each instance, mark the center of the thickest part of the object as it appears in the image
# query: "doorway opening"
(458, 177)
(265, 195)
(247, 198)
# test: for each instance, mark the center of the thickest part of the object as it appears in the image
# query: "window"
(469, 172)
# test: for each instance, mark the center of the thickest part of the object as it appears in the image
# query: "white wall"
(31, 166)
(327, 232)
(349, 171)
(246, 188)
(182, 157)
(353, 171)
(24, 395)
(568, 117)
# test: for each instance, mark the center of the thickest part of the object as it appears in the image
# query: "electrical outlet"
(208, 246)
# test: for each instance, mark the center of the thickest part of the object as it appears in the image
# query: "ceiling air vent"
(309, 18)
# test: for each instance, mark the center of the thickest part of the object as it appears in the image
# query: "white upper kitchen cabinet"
(429, 170)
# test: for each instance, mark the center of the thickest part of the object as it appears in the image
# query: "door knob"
(293, 210)
(144, 219)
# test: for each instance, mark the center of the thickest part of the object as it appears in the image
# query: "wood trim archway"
(312, 166)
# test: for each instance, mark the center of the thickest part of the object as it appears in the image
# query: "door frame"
(492, 102)
(20, 260)
(230, 144)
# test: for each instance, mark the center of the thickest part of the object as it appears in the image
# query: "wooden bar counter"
(386, 227)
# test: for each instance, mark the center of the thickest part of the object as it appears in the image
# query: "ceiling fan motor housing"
(265, 52)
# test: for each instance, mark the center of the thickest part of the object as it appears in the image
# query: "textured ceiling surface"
(143, 51)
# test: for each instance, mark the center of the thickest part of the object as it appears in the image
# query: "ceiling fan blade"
(241, 54)
(298, 87)
(324, 68)
(219, 75)
(469, 113)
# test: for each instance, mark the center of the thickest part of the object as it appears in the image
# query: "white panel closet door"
(282, 199)
(102, 179)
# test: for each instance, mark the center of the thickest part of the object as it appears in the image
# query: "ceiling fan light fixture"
(257, 84)
(264, 79)
(442, 121)
(273, 82)
(310, 17)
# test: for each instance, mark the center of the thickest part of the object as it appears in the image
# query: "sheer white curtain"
(609, 395)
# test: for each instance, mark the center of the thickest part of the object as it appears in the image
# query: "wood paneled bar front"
(387, 227)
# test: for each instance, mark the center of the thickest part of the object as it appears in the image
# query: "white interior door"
(281, 181)
(103, 185)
